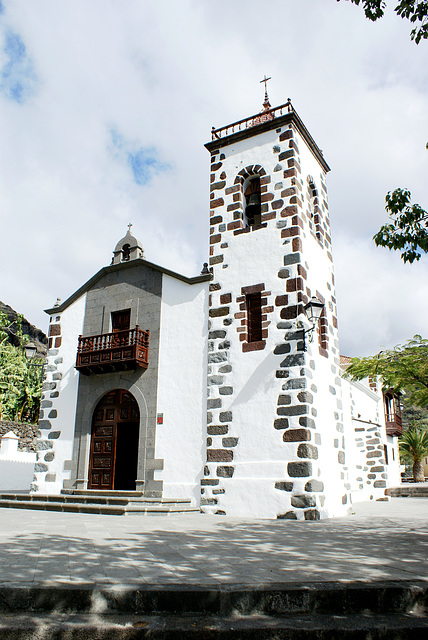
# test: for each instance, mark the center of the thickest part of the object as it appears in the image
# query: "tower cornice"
(260, 123)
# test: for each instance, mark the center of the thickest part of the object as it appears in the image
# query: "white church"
(223, 389)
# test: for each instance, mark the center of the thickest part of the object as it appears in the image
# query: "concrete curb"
(335, 598)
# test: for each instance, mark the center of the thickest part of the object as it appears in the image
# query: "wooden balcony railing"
(115, 351)
(394, 426)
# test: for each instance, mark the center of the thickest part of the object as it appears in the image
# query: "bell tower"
(275, 443)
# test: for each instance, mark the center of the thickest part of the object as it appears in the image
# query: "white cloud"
(161, 73)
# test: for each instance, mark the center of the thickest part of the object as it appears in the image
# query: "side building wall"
(181, 400)
(58, 405)
(369, 472)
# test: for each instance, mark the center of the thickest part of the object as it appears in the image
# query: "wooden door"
(114, 442)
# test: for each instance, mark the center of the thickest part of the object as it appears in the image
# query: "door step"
(114, 503)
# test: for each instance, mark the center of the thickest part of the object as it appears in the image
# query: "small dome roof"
(128, 239)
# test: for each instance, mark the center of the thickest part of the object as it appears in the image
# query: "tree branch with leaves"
(416, 11)
(408, 231)
(403, 368)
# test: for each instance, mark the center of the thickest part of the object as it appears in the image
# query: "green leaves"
(403, 368)
(416, 11)
(20, 380)
(407, 232)
(413, 448)
(414, 444)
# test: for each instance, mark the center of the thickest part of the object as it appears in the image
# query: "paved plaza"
(380, 541)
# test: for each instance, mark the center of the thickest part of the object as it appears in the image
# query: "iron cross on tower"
(265, 80)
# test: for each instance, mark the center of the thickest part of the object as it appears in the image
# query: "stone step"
(96, 492)
(94, 498)
(117, 508)
(125, 627)
(134, 496)
(275, 600)
(409, 491)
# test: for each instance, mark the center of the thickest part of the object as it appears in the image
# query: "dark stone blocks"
(314, 485)
(221, 311)
(307, 451)
(290, 515)
(312, 514)
(39, 467)
(305, 396)
(280, 349)
(288, 313)
(219, 455)
(307, 422)
(216, 334)
(229, 442)
(294, 410)
(225, 472)
(214, 403)
(281, 373)
(294, 360)
(45, 424)
(299, 469)
(292, 258)
(297, 435)
(281, 423)
(296, 383)
(217, 430)
(302, 502)
(284, 486)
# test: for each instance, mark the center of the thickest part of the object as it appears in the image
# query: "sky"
(105, 106)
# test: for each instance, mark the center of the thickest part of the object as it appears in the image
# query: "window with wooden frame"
(385, 453)
(254, 316)
(322, 330)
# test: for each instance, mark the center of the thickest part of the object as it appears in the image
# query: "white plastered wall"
(61, 361)
(180, 440)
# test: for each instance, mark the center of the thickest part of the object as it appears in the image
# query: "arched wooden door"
(114, 442)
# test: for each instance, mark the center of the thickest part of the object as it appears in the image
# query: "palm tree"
(414, 447)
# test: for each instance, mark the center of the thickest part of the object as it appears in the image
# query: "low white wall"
(16, 467)
(16, 475)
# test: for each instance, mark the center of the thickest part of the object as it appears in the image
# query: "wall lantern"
(313, 311)
(30, 350)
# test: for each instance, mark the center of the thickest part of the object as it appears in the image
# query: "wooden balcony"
(393, 424)
(117, 351)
